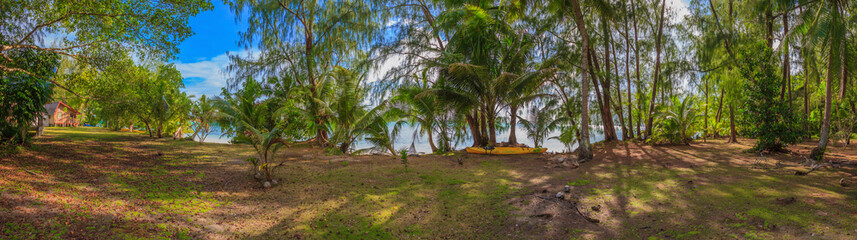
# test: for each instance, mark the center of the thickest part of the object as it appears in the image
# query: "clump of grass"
(580, 182)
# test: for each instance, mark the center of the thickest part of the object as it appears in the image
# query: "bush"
(675, 122)
(767, 116)
(22, 95)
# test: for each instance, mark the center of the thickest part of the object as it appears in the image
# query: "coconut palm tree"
(250, 123)
(825, 25)
(202, 114)
(541, 121)
(346, 107)
(423, 110)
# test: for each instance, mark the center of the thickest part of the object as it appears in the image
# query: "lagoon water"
(405, 138)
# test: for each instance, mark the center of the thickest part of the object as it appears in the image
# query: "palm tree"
(423, 110)
(377, 128)
(675, 122)
(346, 108)
(202, 113)
(250, 124)
(541, 121)
(826, 28)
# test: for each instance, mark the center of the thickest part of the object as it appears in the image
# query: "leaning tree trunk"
(431, 140)
(818, 152)
(657, 71)
(148, 128)
(584, 150)
(474, 130)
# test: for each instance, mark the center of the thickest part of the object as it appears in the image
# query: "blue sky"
(203, 57)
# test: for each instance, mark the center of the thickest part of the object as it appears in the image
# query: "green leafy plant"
(541, 121)
(22, 95)
(676, 122)
(252, 123)
(767, 115)
(403, 154)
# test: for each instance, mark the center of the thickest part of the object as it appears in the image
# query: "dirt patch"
(92, 184)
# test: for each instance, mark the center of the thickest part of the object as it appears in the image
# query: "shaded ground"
(88, 183)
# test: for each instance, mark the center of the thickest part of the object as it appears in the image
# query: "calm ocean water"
(405, 138)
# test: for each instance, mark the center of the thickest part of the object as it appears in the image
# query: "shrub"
(675, 122)
(767, 115)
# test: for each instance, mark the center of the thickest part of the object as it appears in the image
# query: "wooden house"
(60, 114)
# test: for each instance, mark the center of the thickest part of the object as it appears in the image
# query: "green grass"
(93, 183)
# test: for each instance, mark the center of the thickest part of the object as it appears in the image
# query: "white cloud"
(377, 73)
(207, 75)
(679, 7)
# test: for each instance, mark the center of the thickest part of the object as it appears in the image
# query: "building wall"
(64, 117)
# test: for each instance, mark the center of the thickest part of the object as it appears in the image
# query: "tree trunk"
(733, 134)
(603, 99)
(321, 137)
(40, 129)
(787, 83)
(806, 91)
(769, 27)
(657, 71)
(148, 128)
(513, 121)
(818, 152)
(343, 147)
(431, 140)
(609, 129)
(620, 112)
(160, 130)
(584, 151)
(637, 72)
(483, 127)
(719, 111)
(628, 82)
(705, 119)
(475, 130)
(492, 133)
(195, 133)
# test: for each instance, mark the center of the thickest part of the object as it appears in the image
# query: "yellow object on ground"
(505, 150)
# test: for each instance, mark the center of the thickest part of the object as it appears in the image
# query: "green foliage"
(676, 122)
(97, 31)
(304, 46)
(767, 116)
(22, 96)
(403, 154)
(202, 114)
(255, 123)
(541, 121)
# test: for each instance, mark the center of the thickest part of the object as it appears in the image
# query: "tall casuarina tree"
(302, 41)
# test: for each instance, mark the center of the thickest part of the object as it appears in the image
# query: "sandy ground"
(94, 184)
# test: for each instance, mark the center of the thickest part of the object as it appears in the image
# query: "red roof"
(51, 107)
